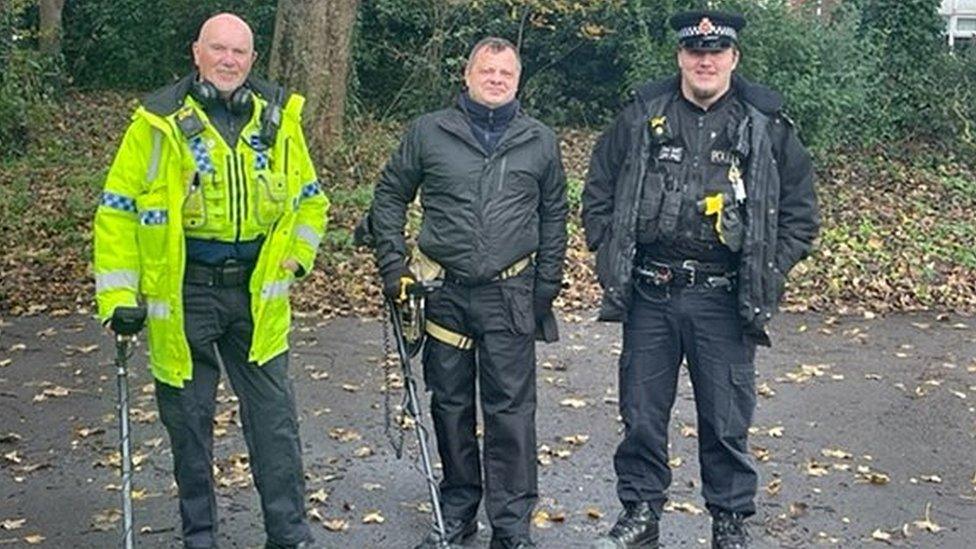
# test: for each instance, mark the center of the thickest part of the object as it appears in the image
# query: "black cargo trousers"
(498, 318)
(219, 326)
(666, 325)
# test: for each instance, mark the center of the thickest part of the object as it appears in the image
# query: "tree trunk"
(50, 26)
(310, 55)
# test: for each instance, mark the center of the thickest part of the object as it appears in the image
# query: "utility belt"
(686, 273)
(446, 335)
(511, 271)
(230, 274)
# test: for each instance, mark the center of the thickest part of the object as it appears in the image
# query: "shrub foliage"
(867, 71)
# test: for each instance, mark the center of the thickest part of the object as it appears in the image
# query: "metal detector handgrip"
(127, 321)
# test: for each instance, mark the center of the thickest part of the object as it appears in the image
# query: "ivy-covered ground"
(899, 232)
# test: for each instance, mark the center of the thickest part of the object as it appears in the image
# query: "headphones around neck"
(207, 95)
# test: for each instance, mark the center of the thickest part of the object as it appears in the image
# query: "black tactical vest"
(694, 154)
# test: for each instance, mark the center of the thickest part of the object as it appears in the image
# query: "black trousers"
(664, 326)
(499, 317)
(218, 326)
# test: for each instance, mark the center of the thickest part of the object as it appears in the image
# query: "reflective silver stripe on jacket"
(157, 309)
(157, 148)
(275, 289)
(116, 280)
(309, 235)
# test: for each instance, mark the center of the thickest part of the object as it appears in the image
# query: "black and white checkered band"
(714, 30)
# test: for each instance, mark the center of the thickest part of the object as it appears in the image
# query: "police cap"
(707, 30)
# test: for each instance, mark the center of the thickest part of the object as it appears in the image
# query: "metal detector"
(407, 319)
(126, 323)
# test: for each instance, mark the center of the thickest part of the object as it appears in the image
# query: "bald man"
(210, 212)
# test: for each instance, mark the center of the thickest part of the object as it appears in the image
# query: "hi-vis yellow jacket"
(164, 184)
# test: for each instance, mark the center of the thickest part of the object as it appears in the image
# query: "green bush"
(869, 71)
(28, 80)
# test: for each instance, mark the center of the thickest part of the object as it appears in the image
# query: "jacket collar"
(519, 130)
(486, 117)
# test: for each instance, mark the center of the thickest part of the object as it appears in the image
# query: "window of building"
(965, 24)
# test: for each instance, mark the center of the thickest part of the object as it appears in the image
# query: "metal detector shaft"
(125, 443)
(413, 408)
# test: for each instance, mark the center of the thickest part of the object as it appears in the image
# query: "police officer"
(210, 212)
(698, 202)
(494, 226)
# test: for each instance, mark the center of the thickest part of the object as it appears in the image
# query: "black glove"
(394, 283)
(543, 294)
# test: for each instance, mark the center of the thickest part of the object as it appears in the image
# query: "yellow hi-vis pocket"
(272, 194)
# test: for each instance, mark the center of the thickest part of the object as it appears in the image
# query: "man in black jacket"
(494, 223)
(698, 202)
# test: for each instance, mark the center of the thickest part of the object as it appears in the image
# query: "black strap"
(228, 275)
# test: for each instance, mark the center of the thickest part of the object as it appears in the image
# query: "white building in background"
(960, 20)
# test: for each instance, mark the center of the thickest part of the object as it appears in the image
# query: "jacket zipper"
(501, 175)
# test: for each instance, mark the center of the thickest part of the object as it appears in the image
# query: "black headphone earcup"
(240, 100)
(204, 92)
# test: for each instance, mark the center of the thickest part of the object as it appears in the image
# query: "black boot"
(457, 532)
(308, 544)
(729, 531)
(512, 543)
(636, 527)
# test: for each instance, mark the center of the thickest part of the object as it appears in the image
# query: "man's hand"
(290, 265)
(543, 294)
(395, 284)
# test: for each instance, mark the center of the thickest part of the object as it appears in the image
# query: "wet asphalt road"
(861, 426)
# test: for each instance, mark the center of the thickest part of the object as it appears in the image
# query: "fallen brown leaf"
(336, 525)
(373, 517)
(926, 523)
(12, 524)
(683, 507)
(344, 435)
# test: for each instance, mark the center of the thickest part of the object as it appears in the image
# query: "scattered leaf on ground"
(52, 392)
(344, 435)
(683, 507)
(835, 453)
(336, 525)
(373, 517)
(105, 520)
(926, 523)
(12, 524)
(319, 496)
(881, 535)
(576, 440)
